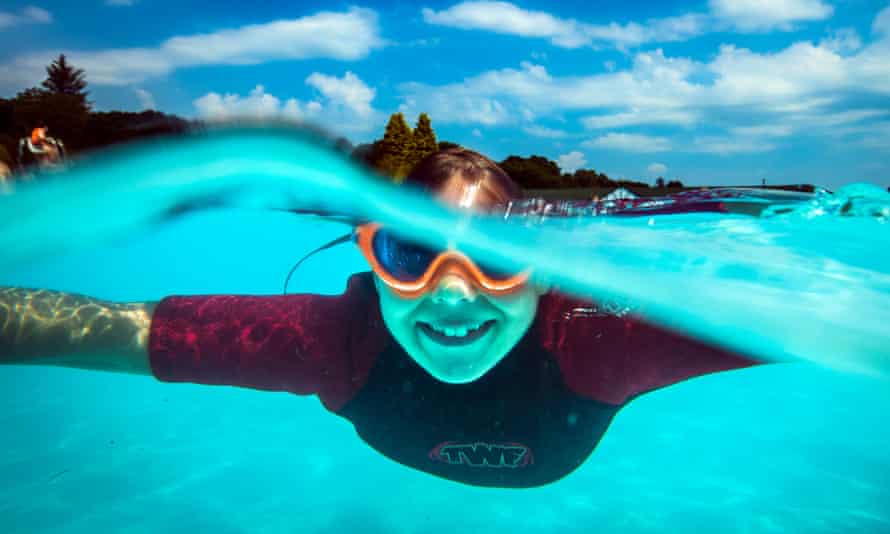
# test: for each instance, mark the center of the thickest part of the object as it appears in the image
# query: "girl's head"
(464, 178)
(464, 318)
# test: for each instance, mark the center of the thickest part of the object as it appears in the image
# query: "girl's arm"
(42, 327)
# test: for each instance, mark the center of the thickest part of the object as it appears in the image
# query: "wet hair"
(450, 170)
(459, 168)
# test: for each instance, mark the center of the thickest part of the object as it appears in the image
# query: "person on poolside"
(441, 364)
(41, 150)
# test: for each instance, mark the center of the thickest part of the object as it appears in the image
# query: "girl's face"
(456, 332)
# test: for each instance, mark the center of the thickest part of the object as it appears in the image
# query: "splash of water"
(808, 280)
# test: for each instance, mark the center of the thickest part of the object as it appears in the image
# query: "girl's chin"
(456, 369)
(455, 374)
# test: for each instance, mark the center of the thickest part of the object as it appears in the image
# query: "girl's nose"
(453, 289)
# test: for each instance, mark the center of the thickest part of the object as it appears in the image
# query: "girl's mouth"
(452, 336)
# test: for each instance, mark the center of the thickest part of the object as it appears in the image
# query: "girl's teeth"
(459, 331)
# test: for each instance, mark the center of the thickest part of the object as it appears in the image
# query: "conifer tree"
(424, 138)
(64, 79)
(393, 158)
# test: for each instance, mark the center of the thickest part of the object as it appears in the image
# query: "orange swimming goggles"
(412, 270)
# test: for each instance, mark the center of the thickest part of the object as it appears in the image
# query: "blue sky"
(710, 92)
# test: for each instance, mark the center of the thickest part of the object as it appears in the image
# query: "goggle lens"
(407, 261)
(404, 261)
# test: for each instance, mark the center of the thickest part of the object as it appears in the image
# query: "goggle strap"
(340, 240)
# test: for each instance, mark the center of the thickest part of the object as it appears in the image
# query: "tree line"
(61, 102)
(401, 148)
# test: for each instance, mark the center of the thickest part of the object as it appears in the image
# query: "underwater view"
(795, 446)
(453, 267)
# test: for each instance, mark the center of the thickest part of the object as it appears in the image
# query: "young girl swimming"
(443, 364)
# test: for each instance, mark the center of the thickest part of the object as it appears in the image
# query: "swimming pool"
(795, 447)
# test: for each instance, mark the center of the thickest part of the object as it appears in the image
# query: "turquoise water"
(795, 447)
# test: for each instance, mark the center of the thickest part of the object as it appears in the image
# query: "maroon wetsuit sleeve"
(660, 357)
(612, 359)
(304, 344)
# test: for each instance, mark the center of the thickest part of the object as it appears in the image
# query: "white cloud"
(636, 117)
(315, 36)
(27, 15)
(842, 41)
(740, 15)
(870, 66)
(659, 169)
(745, 139)
(510, 19)
(541, 131)
(793, 87)
(726, 145)
(680, 28)
(146, 99)
(876, 137)
(507, 18)
(853, 115)
(349, 91)
(629, 142)
(571, 162)
(857, 129)
(258, 104)
(746, 77)
(763, 130)
(881, 24)
(802, 105)
(453, 107)
(764, 15)
(344, 105)
(37, 14)
(508, 96)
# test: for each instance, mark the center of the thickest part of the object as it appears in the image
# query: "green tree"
(63, 78)
(366, 153)
(675, 183)
(591, 178)
(534, 172)
(112, 127)
(424, 139)
(393, 155)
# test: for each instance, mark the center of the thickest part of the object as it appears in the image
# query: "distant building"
(619, 193)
